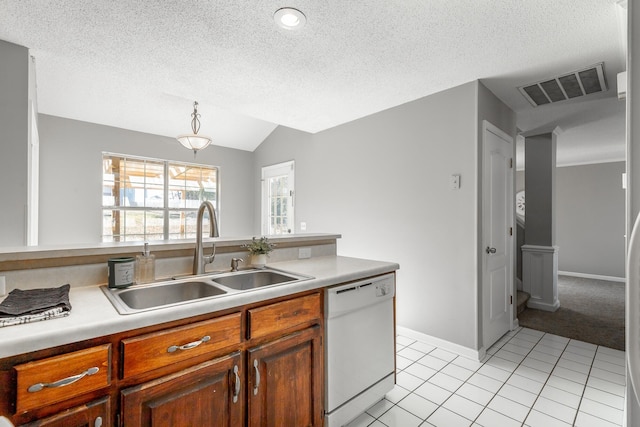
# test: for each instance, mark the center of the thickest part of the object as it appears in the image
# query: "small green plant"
(259, 246)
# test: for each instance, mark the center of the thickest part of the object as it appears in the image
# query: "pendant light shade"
(194, 141)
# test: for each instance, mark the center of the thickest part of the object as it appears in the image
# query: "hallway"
(590, 310)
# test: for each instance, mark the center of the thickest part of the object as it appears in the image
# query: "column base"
(540, 276)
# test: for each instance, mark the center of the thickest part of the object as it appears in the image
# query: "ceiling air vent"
(567, 86)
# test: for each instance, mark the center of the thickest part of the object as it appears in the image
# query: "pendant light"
(194, 141)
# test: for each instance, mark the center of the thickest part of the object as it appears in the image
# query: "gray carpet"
(590, 310)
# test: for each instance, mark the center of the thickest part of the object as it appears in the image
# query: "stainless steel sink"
(253, 279)
(142, 298)
(154, 296)
(160, 295)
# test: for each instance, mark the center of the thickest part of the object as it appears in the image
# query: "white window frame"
(274, 171)
(166, 209)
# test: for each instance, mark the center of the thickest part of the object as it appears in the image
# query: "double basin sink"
(196, 288)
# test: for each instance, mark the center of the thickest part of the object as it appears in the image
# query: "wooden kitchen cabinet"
(199, 371)
(208, 394)
(286, 381)
(93, 414)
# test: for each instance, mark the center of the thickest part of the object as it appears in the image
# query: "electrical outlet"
(3, 286)
(303, 226)
(304, 253)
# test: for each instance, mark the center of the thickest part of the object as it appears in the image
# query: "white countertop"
(92, 315)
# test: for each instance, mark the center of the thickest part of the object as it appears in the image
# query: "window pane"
(154, 224)
(154, 196)
(279, 199)
(107, 226)
(182, 224)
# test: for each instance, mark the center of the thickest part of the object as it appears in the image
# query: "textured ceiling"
(140, 64)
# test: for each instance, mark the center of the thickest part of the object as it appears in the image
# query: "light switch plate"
(454, 182)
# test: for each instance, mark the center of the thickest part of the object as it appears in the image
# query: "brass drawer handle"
(63, 382)
(189, 345)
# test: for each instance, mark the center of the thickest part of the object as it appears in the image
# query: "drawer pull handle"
(255, 387)
(98, 422)
(64, 381)
(237, 385)
(188, 345)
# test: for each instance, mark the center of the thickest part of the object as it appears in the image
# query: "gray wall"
(540, 160)
(71, 177)
(14, 114)
(590, 219)
(383, 183)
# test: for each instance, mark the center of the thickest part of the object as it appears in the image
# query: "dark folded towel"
(33, 301)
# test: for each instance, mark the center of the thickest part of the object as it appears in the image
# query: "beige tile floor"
(528, 378)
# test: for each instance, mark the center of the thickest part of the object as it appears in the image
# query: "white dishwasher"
(359, 347)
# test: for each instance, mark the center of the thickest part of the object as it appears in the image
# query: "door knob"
(490, 250)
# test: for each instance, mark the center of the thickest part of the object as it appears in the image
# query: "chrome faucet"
(199, 259)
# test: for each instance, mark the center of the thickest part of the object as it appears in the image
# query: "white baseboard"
(458, 349)
(540, 305)
(592, 276)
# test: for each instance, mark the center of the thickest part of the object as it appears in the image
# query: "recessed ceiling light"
(290, 18)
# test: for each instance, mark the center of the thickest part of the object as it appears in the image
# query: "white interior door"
(497, 249)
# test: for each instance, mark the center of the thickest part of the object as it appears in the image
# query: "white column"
(540, 276)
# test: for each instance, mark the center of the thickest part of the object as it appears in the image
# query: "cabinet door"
(208, 394)
(94, 414)
(285, 381)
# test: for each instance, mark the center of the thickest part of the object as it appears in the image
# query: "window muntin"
(150, 199)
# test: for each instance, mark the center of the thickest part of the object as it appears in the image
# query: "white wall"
(14, 114)
(71, 177)
(383, 183)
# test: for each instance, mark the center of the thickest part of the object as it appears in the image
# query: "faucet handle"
(234, 263)
(208, 259)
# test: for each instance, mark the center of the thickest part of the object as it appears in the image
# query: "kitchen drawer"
(274, 318)
(147, 352)
(43, 382)
(92, 414)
